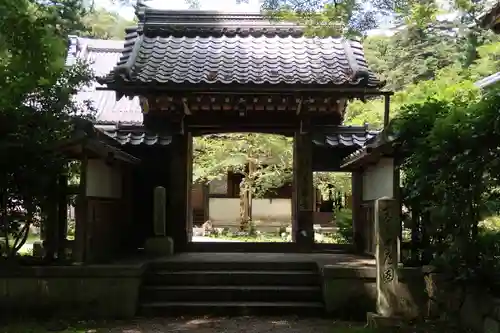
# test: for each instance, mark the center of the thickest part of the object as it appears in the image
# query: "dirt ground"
(198, 325)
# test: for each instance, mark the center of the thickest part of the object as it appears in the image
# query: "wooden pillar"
(206, 202)
(62, 216)
(179, 213)
(303, 200)
(359, 241)
(50, 224)
(81, 223)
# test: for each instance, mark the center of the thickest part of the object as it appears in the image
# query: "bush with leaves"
(36, 108)
(449, 147)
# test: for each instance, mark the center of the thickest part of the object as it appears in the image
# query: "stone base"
(376, 321)
(159, 246)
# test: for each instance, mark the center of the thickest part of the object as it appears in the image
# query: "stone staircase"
(231, 288)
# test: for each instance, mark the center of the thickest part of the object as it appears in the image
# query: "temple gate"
(199, 73)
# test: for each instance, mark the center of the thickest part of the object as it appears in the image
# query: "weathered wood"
(303, 232)
(81, 223)
(179, 216)
(62, 216)
(246, 103)
(387, 110)
(51, 220)
(359, 241)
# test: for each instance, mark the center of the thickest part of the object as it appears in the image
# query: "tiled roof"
(208, 47)
(137, 137)
(346, 136)
(102, 56)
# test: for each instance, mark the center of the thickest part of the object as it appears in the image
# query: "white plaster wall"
(103, 180)
(378, 180)
(272, 210)
(226, 211)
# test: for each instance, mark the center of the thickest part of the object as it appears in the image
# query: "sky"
(219, 5)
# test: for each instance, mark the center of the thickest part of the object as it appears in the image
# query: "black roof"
(345, 136)
(201, 47)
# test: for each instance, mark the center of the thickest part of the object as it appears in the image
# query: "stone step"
(231, 293)
(232, 278)
(234, 266)
(231, 308)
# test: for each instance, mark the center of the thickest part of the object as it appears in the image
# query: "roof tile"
(257, 60)
(348, 136)
(102, 56)
(208, 47)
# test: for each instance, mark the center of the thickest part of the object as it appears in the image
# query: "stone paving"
(340, 259)
(234, 325)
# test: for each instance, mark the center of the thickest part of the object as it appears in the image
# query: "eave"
(381, 146)
(140, 89)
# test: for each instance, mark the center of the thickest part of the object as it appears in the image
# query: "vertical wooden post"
(62, 220)
(386, 253)
(51, 221)
(81, 223)
(359, 241)
(179, 191)
(206, 202)
(189, 187)
(387, 109)
(302, 228)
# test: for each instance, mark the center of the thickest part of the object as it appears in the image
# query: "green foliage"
(104, 24)
(447, 137)
(269, 155)
(36, 106)
(343, 220)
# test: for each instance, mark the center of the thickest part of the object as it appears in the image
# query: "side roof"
(102, 56)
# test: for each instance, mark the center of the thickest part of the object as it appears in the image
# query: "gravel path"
(232, 325)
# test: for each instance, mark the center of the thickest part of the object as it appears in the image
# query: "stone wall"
(96, 291)
(352, 291)
(349, 292)
(472, 306)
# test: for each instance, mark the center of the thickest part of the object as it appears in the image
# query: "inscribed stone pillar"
(160, 211)
(357, 212)
(303, 205)
(179, 196)
(386, 253)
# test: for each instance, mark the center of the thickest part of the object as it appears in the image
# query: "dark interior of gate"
(199, 73)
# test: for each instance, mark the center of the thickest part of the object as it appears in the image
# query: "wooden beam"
(387, 109)
(299, 106)
(187, 111)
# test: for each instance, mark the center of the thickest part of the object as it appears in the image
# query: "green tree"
(265, 161)
(36, 106)
(104, 24)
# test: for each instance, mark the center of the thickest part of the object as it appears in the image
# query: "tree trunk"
(244, 218)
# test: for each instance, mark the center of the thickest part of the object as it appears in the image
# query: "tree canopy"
(36, 105)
